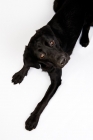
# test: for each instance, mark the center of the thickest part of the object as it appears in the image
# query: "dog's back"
(71, 18)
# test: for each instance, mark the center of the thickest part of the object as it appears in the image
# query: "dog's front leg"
(19, 76)
(55, 77)
(29, 61)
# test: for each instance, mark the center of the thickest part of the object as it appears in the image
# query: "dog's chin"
(52, 64)
(61, 65)
(55, 65)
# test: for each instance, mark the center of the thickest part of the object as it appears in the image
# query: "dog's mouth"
(57, 64)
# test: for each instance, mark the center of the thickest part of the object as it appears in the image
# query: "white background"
(69, 115)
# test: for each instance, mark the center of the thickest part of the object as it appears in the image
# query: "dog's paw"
(17, 78)
(84, 42)
(31, 122)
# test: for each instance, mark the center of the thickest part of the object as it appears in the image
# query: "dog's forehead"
(46, 38)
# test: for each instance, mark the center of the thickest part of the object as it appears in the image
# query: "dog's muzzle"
(62, 61)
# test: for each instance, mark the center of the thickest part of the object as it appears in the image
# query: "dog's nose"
(62, 61)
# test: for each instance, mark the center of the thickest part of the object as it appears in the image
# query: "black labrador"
(50, 48)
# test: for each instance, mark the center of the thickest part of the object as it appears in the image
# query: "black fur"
(52, 45)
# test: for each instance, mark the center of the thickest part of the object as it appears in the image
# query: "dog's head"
(45, 49)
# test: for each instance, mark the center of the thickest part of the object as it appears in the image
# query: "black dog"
(50, 48)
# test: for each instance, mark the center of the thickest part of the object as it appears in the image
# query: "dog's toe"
(31, 122)
(17, 78)
(84, 42)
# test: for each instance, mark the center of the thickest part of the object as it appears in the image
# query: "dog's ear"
(29, 58)
(37, 30)
(44, 30)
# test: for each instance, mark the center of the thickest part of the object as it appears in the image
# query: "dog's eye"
(42, 55)
(52, 43)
